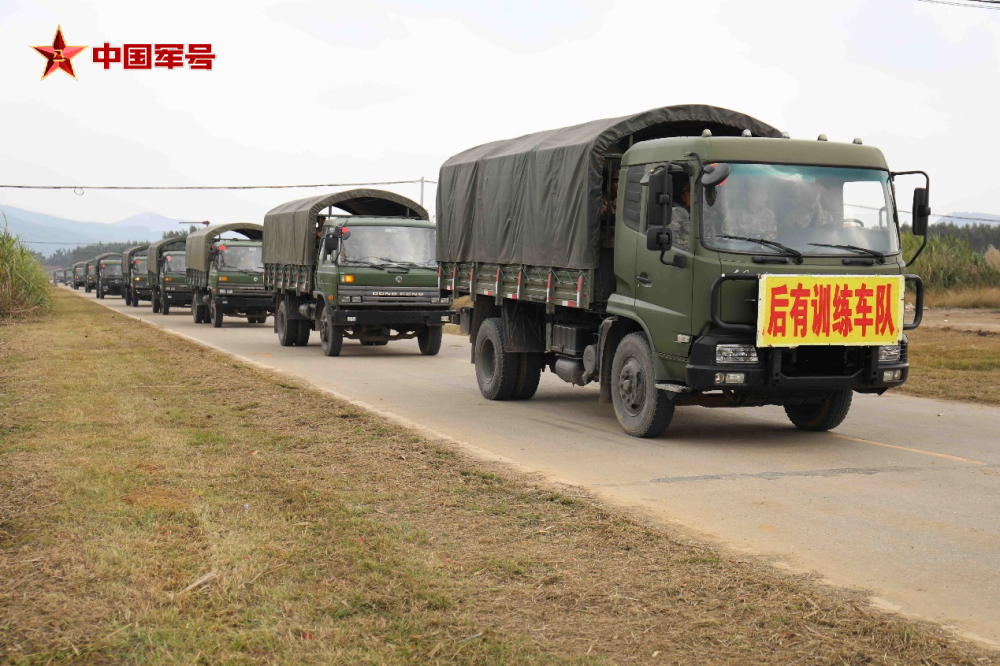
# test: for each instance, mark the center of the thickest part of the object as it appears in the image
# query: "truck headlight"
(735, 354)
(888, 354)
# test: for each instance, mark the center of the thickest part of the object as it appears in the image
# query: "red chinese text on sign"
(138, 56)
(200, 56)
(107, 55)
(170, 56)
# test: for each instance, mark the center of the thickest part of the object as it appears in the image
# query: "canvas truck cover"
(200, 242)
(290, 229)
(156, 250)
(107, 255)
(536, 199)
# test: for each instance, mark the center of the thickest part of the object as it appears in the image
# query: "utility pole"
(421, 190)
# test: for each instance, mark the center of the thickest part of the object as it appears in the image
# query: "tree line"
(66, 257)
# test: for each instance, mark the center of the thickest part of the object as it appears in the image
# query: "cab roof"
(757, 150)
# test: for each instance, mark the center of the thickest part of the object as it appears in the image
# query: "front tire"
(430, 340)
(642, 410)
(164, 305)
(154, 300)
(496, 368)
(827, 415)
(331, 338)
(216, 313)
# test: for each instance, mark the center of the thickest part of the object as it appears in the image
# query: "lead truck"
(686, 255)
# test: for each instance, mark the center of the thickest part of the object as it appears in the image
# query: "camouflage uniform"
(756, 223)
(680, 225)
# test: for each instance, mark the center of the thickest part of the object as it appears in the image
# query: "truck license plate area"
(826, 361)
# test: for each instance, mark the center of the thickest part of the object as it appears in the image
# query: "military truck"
(94, 271)
(134, 275)
(66, 276)
(79, 274)
(227, 275)
(109, 276)
(368, 274)
(90, 281)
(168, 282)
(687, 255)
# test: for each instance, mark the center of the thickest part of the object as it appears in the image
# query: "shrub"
(24, 285)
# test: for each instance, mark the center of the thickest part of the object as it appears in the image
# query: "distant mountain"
(47, 233)
(959, 219)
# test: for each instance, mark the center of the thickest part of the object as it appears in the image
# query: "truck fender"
(612, 330)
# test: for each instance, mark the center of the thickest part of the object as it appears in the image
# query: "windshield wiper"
(366, 263)
(789, 251)
(860, 250)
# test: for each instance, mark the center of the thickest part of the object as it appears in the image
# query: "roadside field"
(163, 503)
(954, 364)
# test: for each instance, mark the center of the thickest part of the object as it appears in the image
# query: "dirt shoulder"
(162, 503)
(963, 319)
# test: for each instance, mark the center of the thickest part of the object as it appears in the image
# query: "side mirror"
(659, 199)
(341, 233)
(921, 211)
(659, 238)
(715, 174)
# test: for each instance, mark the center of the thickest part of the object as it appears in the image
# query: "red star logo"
(58, 56)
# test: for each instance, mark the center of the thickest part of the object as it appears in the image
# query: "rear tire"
(822, 417)
(216, 313)
(287, 329)
(302, 338)
(529, 373)
(331, 338)
(430, 340)
(164, 305)
(496, 368)
(195, 313)
(155, 302)
(642, 410)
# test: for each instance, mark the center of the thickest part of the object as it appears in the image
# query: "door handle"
(644, 281)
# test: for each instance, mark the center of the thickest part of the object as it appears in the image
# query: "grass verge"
(161, 503)
(954, 365)
(24, 285)
(982, 297)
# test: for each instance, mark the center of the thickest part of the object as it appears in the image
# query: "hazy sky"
(324, 91)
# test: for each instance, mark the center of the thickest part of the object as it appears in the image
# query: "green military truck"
(687, 255)
(368, 275)
(227, 275)
(134, 275)
(79, 274)
(66, 276)
(109, 276)
(90, 280)
(166, 271)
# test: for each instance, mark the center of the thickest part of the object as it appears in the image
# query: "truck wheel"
(196, 313)
(529, 373)
(155, 302)
(430, 340)
(642, 410)
(164, 305)
(302, 338)
(827, 415)
(135, 299)
(331, 338)
(216, 313)
(287, 329)
(496, 368)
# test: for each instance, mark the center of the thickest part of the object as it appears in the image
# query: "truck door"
(663, 297)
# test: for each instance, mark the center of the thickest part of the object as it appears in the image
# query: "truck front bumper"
(800, 369)
(392, 317)
(113, 287)
(257, 303)
(178, 297)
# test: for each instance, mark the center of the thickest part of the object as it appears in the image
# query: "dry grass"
(233, 517)
(955, 365)
(983, 297)
(993, 258)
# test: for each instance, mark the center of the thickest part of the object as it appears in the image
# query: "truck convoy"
(369, 275)
(687, 255)
(227, 276)
(109, 276)
(167, 275)
(134, 275)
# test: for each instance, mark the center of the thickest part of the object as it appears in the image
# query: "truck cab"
(90, 279)
(79, 277)
(226, 273)
(172, 284)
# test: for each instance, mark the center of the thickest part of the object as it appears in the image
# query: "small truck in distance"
(109, 276)
(226, 276)
(161, 276)
(134, 275)
(368, 274)
(79, 274)
(686, 255)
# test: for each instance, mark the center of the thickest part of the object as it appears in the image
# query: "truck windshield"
(806, 208)
(387, 246)
(174, 263)
(140, 266)
(111, 270)
(240, 258)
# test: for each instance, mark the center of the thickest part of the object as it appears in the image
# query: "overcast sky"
(325, 91)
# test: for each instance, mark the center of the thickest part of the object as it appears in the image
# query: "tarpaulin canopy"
(199, 243)
(114, 256)
(156, 250)
(290, 229)
(536, 199)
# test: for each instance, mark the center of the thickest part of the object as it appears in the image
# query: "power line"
(82, 188)
(978, 4)
(988, 220)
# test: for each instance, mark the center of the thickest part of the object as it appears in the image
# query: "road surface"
(902, 500)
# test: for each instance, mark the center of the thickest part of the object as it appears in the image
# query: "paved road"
(903, 499)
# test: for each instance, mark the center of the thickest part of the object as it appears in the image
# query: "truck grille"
(388, 295)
